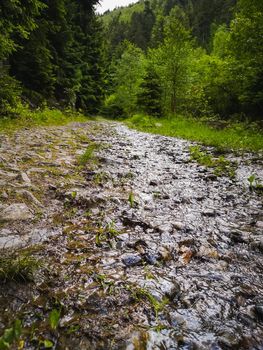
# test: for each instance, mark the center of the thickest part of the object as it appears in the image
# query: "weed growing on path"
(17, 267)
(88, 155)
(221, 165)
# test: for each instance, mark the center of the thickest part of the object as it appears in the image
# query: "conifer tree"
(149, 97)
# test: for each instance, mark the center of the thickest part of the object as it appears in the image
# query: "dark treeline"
(50, 51)
(205, 58)
(159, 57)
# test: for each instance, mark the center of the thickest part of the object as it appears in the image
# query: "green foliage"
(149, 98)
(131, 199)
(88, 155)
(158, 306)
(17, 267)
(128, 72)
(254, 184)
(236, 136)
(54, 49)
(10, 335)
(10, 92)
(222, 81)
(54, 318)
(39, 117)
(171, 59)
(221, 166)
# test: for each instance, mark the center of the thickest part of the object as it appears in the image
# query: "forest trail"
(143, 248)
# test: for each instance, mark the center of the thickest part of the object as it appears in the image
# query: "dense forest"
(158, 57)
(50, 52)
(190, 57)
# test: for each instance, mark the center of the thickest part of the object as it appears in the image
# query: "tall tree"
(171, 58)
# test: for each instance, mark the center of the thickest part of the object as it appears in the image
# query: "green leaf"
(48, 344)
(10, 335)
(54, 318)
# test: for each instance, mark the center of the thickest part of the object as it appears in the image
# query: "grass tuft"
(18, 267)
(88, 155)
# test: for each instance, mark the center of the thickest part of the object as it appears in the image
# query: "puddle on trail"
(152, 251)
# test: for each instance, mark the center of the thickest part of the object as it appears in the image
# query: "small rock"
(165, 254)
(257, 245)
(8, 175)
(153, 183)
(236, 237)
(258, 311)
(150, 259)
(30, 197)
(132, 260)
(178, 225)
(11, 242)
(259, 224)
(25, 178)
(15, 212)
(210, 213)
(4, 195)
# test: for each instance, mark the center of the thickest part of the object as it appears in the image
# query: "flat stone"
(178, 225)
(16, 212)
(132, 260)
(11, 242)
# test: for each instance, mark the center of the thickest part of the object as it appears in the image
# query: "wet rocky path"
(142, 248)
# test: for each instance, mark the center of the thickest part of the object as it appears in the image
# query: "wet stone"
(257, 245)
(153, 183)
(132, 260)
(150, 259)
(258, 310)
(210, 213)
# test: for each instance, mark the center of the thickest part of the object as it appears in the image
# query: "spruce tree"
(149, 98)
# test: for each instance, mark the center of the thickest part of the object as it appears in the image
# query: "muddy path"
(141, 247)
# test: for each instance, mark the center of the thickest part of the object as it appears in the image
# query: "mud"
(142, 247)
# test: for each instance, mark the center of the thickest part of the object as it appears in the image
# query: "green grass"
(221, 165)
(88, 155)
(235, 136)
(26, 117)
(17, 267)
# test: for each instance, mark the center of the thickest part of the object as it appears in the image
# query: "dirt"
(140, 247)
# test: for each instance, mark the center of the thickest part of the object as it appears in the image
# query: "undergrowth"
(17, 267)
(234, 136)
(24, 117)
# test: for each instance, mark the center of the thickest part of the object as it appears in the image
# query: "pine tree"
(149, 98)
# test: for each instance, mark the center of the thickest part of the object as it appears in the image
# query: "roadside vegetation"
(24, 117)
(229, 136)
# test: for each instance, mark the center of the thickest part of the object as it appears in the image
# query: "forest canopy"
(158, 57)
(50, 52)
(205, 57)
